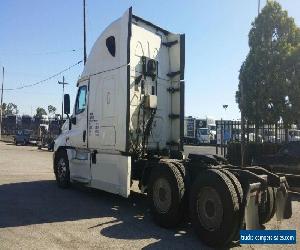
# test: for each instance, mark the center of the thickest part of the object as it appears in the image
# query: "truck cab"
(129, 104)
(203, 135)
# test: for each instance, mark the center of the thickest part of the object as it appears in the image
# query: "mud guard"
(283, 201)
(251, 207)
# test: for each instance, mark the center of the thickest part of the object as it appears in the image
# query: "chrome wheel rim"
(209, 208)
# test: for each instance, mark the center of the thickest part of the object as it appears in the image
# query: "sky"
(41, 38)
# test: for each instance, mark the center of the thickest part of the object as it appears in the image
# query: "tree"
(40, 112)
(9, 109)
(270, 73)
(294, 79)
(4, 106)
(51, 110)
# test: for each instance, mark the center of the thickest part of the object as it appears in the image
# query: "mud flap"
(283, 201)
(251, 207)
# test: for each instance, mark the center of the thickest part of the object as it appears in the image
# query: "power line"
(17, 53)
(59, 73)
(46, 79)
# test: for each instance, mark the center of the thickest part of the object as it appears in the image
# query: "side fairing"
(167, 50)
(106, 69)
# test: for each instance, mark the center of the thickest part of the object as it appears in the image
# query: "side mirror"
(67, 104)
(73, 120)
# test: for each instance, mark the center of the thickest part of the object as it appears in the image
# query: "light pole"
(225, 106)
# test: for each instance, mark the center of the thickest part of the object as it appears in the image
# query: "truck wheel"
(61, 169)
(214, 208)
(165, 193)
(266, 210)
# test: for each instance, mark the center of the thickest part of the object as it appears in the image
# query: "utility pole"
(258, 8)
(1, 103)
(84, 34)
(62, 103)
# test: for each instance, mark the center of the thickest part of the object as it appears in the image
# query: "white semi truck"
(127, 125)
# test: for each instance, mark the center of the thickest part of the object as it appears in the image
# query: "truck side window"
(111, 45)
(80, 100)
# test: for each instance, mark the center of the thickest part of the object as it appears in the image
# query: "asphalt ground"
(36, 214)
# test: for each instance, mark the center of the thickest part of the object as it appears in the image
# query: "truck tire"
(61, 169)
(240, 193)
(237, 185)
(165, 193)
(214, 208)
(266, 210)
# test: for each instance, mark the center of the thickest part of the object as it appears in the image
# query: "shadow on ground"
(29, 147)
(37, 202)
(295, 196)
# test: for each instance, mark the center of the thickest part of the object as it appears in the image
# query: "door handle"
(84, 135)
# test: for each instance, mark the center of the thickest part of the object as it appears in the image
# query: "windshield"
(203, 131)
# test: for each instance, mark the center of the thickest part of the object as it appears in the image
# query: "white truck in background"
(127, 124)
(189, 135)
(203, 135)
(199, 131)
(211, 125)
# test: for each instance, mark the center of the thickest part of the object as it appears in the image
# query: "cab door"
(80, 168)
(78, 136)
